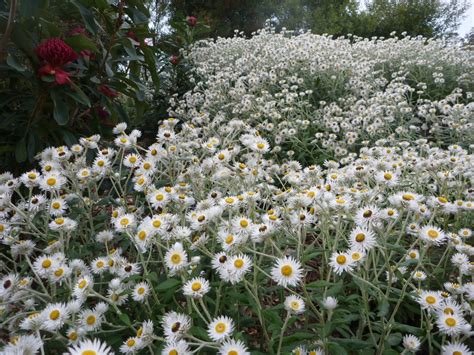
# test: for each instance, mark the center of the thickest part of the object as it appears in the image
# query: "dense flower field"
(312, 196)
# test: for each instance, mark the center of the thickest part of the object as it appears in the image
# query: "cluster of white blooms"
(101, 232)
(219, 238)
(328, 95)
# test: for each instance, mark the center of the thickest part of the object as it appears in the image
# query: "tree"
(429, 18)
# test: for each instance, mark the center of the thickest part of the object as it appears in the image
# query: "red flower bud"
(102, 112)
(55, 52)
(107, 91)
(174, 60)
(191, 20)
(133, 37)
(78, 31)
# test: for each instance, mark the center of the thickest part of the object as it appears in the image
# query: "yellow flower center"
(232, 352)
(286, 270)
(141, 291)
(176, 259)
(157, 223)
(387, 176)
(260, 145)
(124, 222)
(450, 322)
(101, 163)
(229, 239)
(448, 310)
(46, 264)
(244, 223)
(173, 352)
(341, 259)
(59, 221)
(54, 315)
(59, 272)
(229, 200)
(412, 255)
(100, 264)
(130, 342)
(82, 284)
(360, 237)
(159, 197)
(31, 176)
(56, 205)
(221, 156)
(430, 300)
(295, 305)
(220, 327)
(408, 197)
(73, 336)
(51, 181)
(238, 263)
(142, 235)
(433, 234)
(132, 160)
(89, 352)
(196, 286)
(90, 320)
(442, 199)
(146, 166)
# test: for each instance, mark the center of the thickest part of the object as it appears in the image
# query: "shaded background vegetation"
(128, 56)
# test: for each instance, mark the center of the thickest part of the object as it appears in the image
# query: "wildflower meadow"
(308, 195)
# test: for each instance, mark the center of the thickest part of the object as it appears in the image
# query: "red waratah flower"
(107, 91)
(174, 60)
(55, 52)
(61, 77)
(191, 20)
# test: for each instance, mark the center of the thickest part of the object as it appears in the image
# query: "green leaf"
(394, 339)
(151, 63)
(81, 42)
(79, 95)
(31, 148)
(20, 150)
(87, 16)
(167, 285)
(11, 61)
(125, 318)
(61, 111)
(383, 308)
(28, 8)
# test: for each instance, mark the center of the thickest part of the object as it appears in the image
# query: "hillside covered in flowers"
(309, 195)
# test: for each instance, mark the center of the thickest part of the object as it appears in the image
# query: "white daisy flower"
(175, 325)
(362, 238)
(176, 257)
(287, 272)
(179, 347)
(294, 304)
(220, 328)
(141, 291)
(87, 346)
(233, 347)
(196, 287)
(54, 316)
(341, 262)
(411, 343)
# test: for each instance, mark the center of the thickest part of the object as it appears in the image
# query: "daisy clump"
(221, 237)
